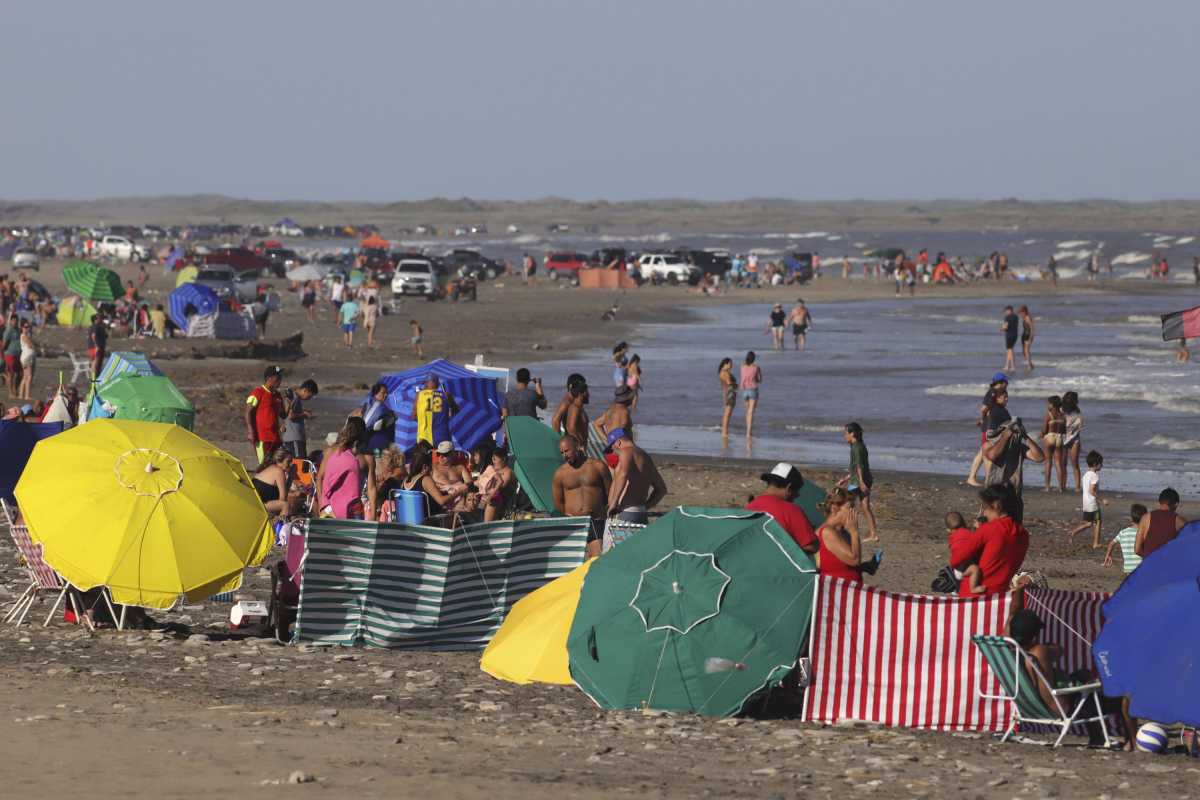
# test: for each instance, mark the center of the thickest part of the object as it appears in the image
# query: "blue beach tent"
(477, 398)
(203, 298)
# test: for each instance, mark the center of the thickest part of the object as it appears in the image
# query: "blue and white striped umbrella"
(477, 398)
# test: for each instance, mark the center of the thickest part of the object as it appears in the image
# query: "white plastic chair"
(80, 368)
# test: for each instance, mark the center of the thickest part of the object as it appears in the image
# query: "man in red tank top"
(1160, 526)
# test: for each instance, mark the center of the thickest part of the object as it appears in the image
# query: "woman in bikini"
(728, 393)
(1054, 428)
(633, 378)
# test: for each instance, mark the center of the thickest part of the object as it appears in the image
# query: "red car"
(565, 265)
(241, 259)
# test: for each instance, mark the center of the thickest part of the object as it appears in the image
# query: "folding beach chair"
(42, 577)
(286, 577)
(304, 476)
(80, 368)
(1018, 674)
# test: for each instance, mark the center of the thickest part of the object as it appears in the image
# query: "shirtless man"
(454, 479)
(560, 413)
(580, 489)
(574, 420)
(636, 487)
(801, 320)
(617, 415)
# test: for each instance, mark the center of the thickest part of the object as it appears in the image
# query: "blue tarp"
(1149, 647)
(17, 440)
(477, 398)
(122, 362)
(203, 298)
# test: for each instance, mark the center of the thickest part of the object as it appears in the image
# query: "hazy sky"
(610, 99)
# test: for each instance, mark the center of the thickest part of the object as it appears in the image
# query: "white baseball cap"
(784, 473)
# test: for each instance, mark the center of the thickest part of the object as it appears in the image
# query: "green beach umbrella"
(151, 398)
(697, 613)
(809, 499)
(92, 282)
(535, 455)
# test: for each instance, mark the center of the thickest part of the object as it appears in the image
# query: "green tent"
(697, 613)
(152, 398)
(534, 449)
(92, 282)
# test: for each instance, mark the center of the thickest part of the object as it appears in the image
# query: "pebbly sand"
(198, 709)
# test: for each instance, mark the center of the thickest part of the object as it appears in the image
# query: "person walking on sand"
(801, 320)
(28, 361)
(370, 315)
(775, 325)
(636, 487)
(858, 479)
(1027, 334)
(1010, 327)
(308, 300)
(349, 314)
(729, 390)
(1091, 500)
(1054, 428)
(751, 380)
(415, 334)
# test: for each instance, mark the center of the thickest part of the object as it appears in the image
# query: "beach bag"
(945, 582)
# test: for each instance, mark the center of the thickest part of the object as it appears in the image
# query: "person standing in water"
(751, 379)
(1027, 333)
(801, 320)
(775, 325)
(729, 389)
(1010, 328)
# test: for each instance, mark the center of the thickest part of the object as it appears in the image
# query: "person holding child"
(998, 546)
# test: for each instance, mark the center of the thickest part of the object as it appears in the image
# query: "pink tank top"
(342, 484)
(751, 376)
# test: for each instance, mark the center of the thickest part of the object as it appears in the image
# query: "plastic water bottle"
(717, 664)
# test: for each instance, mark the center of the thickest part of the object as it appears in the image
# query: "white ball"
(1152, 738)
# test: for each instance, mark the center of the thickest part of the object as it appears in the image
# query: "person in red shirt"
(998, 545)
(778, 500)
(264, 409)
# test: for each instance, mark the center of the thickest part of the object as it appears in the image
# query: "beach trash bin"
(410, 506)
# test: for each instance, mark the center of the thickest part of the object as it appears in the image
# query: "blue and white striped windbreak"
(122, 362)
(478, 402)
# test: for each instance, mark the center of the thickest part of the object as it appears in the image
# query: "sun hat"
(445, 448)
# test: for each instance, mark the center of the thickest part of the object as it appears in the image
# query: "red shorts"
(12, 363)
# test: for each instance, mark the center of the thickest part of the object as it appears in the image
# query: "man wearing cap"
(636, 486)
(452, 478)
(432, 410)
(264, 407)
(580, 488)
(617, 415)
(999, 381)
(778, 499)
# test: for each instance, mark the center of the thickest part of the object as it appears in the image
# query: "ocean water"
(913, 373)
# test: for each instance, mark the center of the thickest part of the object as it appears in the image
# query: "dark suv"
(710, 262)
(472, 263)
(241, 259)
(282, 259)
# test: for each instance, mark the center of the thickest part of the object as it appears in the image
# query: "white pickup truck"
(121, 248)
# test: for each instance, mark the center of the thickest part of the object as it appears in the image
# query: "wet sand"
(199, 710)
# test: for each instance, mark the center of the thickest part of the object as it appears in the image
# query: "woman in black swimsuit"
(775, 327)
(271, 481)
(1027, 331)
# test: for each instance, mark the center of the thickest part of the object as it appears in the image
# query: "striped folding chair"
(42, 577)
(1018, 675)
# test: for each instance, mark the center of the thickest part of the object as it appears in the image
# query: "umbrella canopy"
(531, 645)
(1149, 647)
(535, 454)
(92, 282)
(152, 398)
(307, 272)
(201, 297)
(809, 499)
(696, 613)
(477, 398)
(121, 362)
(374, 242)
(186, 275)
(179, 515)
(17, 440)
(75, 312)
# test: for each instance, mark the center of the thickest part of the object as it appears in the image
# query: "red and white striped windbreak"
(907, 660)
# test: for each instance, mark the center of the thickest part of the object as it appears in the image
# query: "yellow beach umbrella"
(148, 509)
(531, 645)
(186, 275)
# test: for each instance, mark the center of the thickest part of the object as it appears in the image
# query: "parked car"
(228, 282)
(282, 259)
(26, 258)
(565, 265)
(426, 230)
(120, 247)
(240, 259)
(667, 267)
(417, 276)
(710, 262)
(473, 263)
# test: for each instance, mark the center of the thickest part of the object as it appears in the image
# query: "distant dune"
(676, 215)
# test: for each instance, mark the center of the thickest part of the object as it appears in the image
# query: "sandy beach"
(199, 709)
